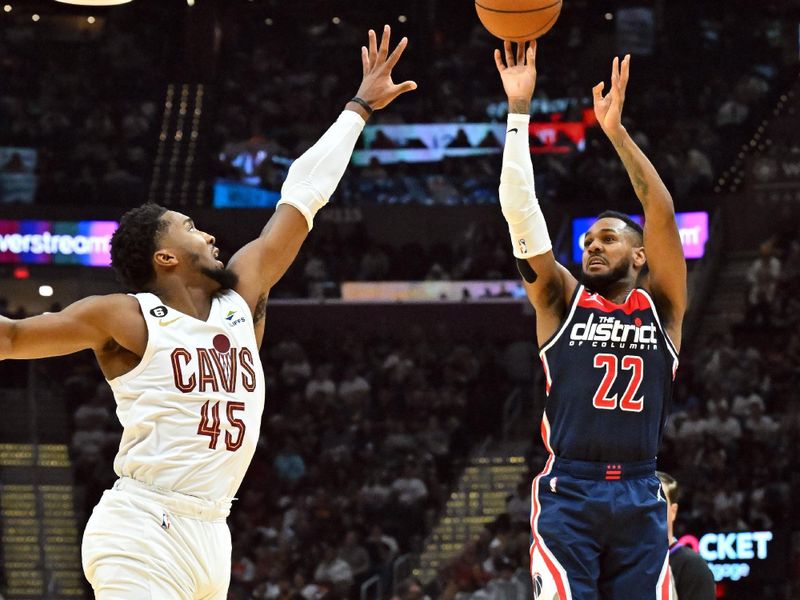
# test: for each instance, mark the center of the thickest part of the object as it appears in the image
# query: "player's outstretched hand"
(608, 108)
(518, 73)
(377, 87)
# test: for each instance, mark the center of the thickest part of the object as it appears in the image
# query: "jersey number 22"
(611, 364)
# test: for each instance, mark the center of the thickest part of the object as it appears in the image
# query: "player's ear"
(165, 258)
(639, 258)
(673, 510)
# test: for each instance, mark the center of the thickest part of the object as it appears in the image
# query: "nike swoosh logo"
(514, 130)
(164, 323)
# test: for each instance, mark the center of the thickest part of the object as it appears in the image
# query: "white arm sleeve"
(313, 177)
(518, 201)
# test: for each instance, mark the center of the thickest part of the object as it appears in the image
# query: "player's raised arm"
(313, 177)
(662, 241)
(92, 323)
(549, 285)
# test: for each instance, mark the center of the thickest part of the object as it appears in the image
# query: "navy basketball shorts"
(599, 532)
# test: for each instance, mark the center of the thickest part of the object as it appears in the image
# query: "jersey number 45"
(211, 427)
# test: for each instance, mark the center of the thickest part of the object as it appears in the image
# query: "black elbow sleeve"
(525, 269)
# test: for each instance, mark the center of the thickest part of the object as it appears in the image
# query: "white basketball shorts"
(144, 544)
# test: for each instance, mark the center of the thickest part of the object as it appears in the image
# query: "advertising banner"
(57, 242)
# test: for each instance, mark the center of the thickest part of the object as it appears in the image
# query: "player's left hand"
(377, 87)
(608, 108)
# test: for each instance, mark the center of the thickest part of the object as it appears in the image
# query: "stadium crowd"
(91, 111)
(87, 100)
(335, 254)
(689, 117)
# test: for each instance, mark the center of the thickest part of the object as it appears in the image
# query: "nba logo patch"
(553, 483)
(523, 247)
(537, 585)
(165, 522)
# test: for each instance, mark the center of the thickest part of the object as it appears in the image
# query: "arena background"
(404, 399)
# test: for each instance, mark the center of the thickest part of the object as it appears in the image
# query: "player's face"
(195, 248)
(607, 253)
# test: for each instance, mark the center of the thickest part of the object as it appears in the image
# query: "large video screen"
(433, 142)
(57, 242)
(692, 226)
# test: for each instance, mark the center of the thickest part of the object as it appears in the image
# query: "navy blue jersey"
(609, 371)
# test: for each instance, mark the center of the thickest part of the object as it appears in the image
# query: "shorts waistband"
(583, 469)
(175, 502)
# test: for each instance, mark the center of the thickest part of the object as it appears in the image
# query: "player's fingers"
(532, 57)
(364, 61)
(384, 47)
(597, 91)
(406, 86)
(615, 72)
(509, 55)
(397, 53)
(625, 70)
(520, 53)
(373, 47)
(498, 60)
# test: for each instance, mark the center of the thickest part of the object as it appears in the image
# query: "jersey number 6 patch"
(611, 364)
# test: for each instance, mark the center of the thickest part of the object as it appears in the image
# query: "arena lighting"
(45, 291)
(94, 2)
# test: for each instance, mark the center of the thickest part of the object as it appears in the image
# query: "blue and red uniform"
(598, 517)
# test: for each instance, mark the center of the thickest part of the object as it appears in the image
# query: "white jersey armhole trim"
(146, 357)
(564, 325)
(670, 345)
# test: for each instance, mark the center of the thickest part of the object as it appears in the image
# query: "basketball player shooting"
(181, 357)
(609, 346)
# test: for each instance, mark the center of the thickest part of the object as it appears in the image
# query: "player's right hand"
(377, 87)
(518, 73)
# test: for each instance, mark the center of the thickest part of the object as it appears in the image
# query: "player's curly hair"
(630, 224)
(134, 242)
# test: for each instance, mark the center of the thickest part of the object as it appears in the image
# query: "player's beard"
(602, 281)
(225, 278)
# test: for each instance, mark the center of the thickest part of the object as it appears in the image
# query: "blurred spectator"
(763, 277)
(334, 570)
(410, 589)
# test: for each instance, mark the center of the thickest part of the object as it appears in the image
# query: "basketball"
(518, 20)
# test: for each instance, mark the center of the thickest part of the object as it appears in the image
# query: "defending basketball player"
(182, 359)
(609, 346)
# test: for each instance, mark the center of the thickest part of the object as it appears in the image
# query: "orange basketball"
(518, 20)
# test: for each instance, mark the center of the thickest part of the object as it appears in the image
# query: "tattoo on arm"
(261, 309)
(634, 171)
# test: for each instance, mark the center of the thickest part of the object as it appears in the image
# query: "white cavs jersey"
(191, 410)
